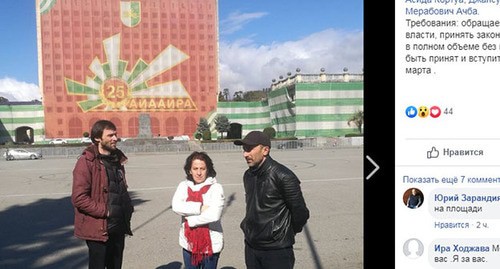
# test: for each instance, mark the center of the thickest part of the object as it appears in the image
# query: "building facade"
(121, 60)
(303, 105)
(21, 122)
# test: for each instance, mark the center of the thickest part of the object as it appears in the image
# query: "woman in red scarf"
(199, 200)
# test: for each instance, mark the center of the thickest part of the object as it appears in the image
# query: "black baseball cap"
(254, 138)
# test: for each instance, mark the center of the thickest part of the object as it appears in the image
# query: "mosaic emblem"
(130, 13)
(113, 88)
(46, 5)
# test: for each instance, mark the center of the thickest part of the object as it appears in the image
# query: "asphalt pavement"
(36, 215)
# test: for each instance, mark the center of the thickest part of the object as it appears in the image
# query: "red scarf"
(198, 237)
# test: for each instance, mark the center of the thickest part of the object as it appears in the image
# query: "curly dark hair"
(202, 156)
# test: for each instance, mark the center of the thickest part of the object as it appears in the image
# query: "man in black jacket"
(275, 208)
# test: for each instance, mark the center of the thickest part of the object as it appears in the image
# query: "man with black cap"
(275, 208)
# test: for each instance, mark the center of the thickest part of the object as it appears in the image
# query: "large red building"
(112, 59)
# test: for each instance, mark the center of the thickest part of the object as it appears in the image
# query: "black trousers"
(269, 259)
(107, 254)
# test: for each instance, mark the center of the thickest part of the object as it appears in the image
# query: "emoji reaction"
(411, 112)
(423, 111)
(435, 111)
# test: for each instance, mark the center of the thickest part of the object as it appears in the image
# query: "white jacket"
(191, 211)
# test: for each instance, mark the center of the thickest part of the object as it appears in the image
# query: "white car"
(58, 141)
(86, 140)
(21, 154)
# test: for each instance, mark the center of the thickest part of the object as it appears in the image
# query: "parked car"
(58, 141)
(21, 154)
(86, 140)
(293, 144)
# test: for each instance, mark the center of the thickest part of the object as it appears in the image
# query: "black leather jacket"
(275, 207)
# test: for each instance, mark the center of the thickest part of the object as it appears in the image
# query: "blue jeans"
(206, 263)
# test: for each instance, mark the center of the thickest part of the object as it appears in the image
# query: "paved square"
(36, 215)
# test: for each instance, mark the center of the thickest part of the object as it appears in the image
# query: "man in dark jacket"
(275, 208)
(103, 208)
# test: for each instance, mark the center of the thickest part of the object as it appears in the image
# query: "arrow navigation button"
(376, 167)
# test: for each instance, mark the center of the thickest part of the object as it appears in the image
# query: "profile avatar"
(413, 248)
(413, 198)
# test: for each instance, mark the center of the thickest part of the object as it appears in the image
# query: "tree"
(207, 135)
(251, 96)
(222, 124)
(358, 119)
(202, 125)
(238, 96)
(226, 94)
(270, 131)
(221, 97)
